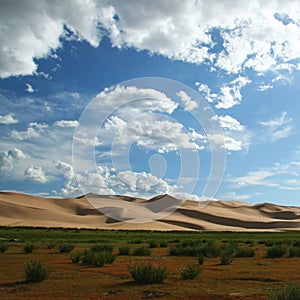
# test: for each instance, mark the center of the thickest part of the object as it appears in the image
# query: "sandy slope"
(25, 210)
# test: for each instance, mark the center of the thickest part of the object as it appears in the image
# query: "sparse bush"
(28, 248)
(123, 250)
(189, 272)
(50, 245)
(147, 273)
(153, 244)
(65, 248)
(244, 252)
(200, 259)
(3, 247)
(276, 251)
(102, 247)
(179, 250)
(75, 257)
(290, 292)
(137, 241)
(294, 252)
(97, 258)
(142, 251)
(35, 271)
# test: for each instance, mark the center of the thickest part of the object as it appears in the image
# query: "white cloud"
(29, 88)
(9, 158)
(238, 197)
(253, 35)
(137, 100)
(66, 123)
(229, 94)
(8, 119)
(32, 29)
(151, 133)
(230, 123)
(34, 130)
(278, 128)
(35, 174)
(188, 103)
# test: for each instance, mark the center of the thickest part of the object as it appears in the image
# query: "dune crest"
(26, 210)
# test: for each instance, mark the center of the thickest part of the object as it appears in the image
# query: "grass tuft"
(65, 248)
(290, 292)
(276, 251)
(142, 251)
(189, 272)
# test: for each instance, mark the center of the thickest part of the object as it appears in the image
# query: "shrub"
(296, 243)
(102, 247)
(244, 252)
(163, 245)
(179, 250)
(28, 248)
(189, 272)
(226, 258)
(142, 251)
(294, 252)
(276, 251)
(65, 248)
(211, 249)
(123, 250)
(35, 271)
(147, 273)
(290, 292)
(137, 241)
(200, 259)
(3, 247)
(153, 244)
(50, 245)
(75, 257)
(98, 259)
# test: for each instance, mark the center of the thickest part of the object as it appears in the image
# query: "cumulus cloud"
(8, 119)
(66, 123)
(253, 34)
(230, 123)
(188, 103)
(229, 94)
(36, 174)
(32, 29)
(34, 130)
(9, 158)
(152, 133)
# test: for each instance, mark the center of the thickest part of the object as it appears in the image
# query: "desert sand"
(121, 212)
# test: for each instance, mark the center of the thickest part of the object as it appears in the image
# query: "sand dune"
(123, 212)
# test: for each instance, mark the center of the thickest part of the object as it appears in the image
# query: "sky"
(197, 99)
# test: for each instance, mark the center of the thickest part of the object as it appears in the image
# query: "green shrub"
(211, 249)
(97, 258)
(147, 273)
(35, 271)
(137, 241)
(244, 252)
(294, 252)
(153, 244)
(142, 251)
(123, 250)
(226, 258)
(50, 245)
(276, 251)
(179, 250)
(28, 248)
(200, 259)
(3, 247)
(296, 243)
(189, 272)
(65, 248)
(75, 257)
(290, 292)
(163, 245)
(102, 247)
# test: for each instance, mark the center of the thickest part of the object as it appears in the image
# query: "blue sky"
(237, 60)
